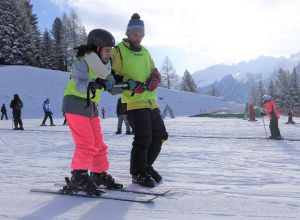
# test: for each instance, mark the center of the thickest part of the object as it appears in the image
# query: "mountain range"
(235, 81)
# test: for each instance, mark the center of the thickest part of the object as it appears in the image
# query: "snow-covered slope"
(212, 178)
(34, 85)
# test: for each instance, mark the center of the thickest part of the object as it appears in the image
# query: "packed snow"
(212, 174)
(211, 178)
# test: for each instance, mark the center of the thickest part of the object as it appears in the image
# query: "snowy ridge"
(263, 65)
(34, 85)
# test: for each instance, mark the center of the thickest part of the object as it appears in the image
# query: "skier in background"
(3, 111)
(90, 162)
(16, 104)
(65, 120)
(134, 64)
(290, 118)
(251, 112)
(121, 111)
(103, 113)
(273, 114)
(48, 113)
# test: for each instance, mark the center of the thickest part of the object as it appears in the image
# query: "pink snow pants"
(90, 150)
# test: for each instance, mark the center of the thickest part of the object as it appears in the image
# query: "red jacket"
(270, 109)
(251, 112)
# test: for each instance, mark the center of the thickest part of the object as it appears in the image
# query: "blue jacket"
(46, 107)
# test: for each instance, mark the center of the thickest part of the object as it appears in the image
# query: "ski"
(129, 197)
(136, 191)
(163, 193)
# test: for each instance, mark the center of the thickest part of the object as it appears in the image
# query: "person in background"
(4, 112)
(65, 120)
(90, 161)
(271, 111)
(251, 112)
(103, 113)
(48, 113)
(16, 104)
(134, 64)
(290, 118)
(121, 111)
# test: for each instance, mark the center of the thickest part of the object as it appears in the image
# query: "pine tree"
(214, 91)
(74, 35)
(17, 38)
(294, 88)
(283, 87)
(254, 96)
(65, 40)
(271, 89)
(58, 52)
(47, 54)
(31, 27)
(187, 83)
(260, 93)
(10, 32)
(169, 79)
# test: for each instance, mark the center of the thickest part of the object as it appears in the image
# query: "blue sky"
(194, 34)
(46, 12)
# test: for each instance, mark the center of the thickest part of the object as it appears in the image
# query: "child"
(272, 112)
(90, 150)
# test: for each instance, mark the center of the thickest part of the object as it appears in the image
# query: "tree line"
(170, 80)
(283, 86)
(22, 43)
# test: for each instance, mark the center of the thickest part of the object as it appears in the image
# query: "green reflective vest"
(71, 86)
(135, 66)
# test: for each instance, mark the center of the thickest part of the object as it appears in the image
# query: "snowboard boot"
(81, 181)
(105, 179)
(154, 174)
(143, 179)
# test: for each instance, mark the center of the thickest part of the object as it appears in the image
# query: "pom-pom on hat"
(135, 24)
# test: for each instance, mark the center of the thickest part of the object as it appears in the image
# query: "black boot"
(105, 179)
(154, 174)
(118, 132)
(143, 179)
(81, 181)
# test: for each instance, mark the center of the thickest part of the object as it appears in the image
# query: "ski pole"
(265, 127)
(122, 85)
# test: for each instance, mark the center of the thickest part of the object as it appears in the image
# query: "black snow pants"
(48, 114)
(17, 119)
(274, 129)
(149, 132)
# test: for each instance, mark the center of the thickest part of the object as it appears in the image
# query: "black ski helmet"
(100, 38)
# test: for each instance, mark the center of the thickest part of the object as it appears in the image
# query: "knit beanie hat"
(135, 24)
